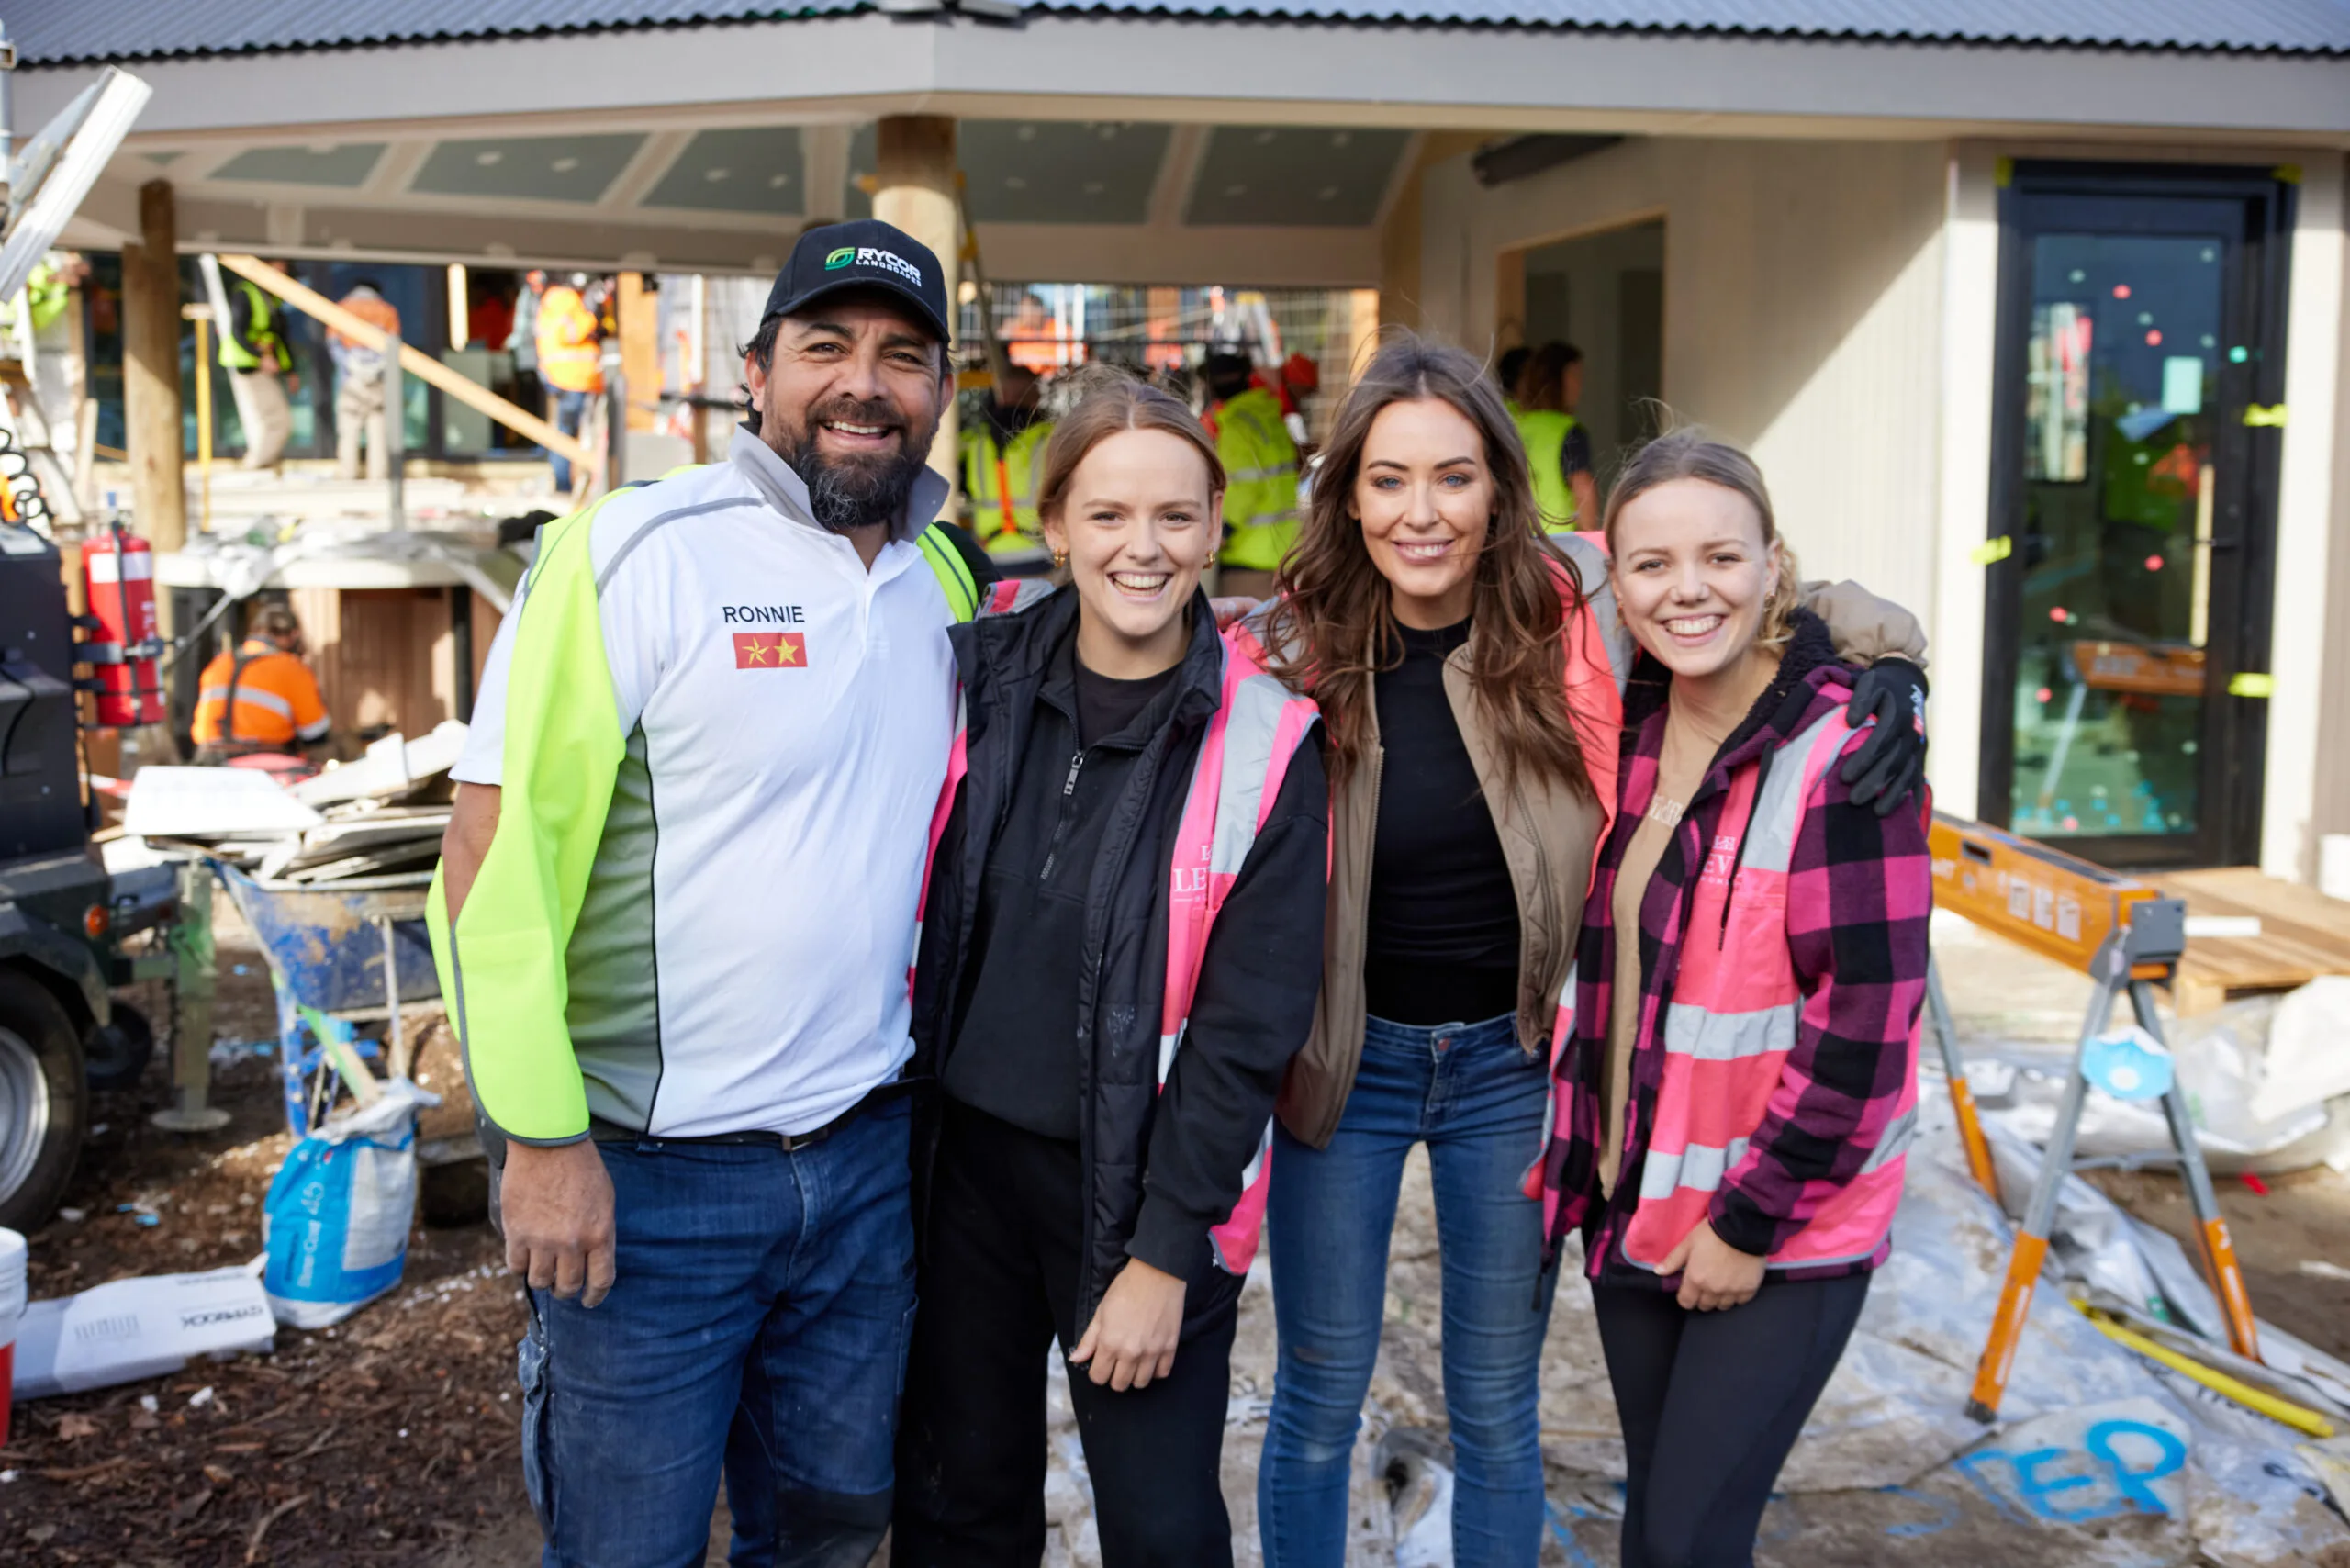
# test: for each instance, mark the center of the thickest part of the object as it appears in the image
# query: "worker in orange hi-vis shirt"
(260, 696)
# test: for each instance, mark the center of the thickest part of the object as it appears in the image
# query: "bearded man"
(673, 920)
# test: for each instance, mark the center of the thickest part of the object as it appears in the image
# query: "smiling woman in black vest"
(1143, 814)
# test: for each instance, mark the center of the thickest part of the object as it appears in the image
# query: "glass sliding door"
(2132, 516)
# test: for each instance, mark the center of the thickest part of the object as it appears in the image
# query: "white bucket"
(11, 1310)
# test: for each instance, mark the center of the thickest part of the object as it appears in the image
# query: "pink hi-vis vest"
(1733, 1017)
(1243, 758)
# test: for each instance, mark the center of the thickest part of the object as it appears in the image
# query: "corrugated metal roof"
(2320, 27)
(60, 32)
(66, 32)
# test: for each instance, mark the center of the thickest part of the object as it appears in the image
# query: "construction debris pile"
(380, 815)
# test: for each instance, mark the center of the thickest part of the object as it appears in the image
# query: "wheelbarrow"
(340, 954)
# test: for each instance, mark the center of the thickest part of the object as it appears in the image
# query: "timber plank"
(2303, 935)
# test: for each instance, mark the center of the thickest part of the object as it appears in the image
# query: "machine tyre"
(44, 1106)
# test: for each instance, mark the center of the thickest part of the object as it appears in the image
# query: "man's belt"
(880, 1094)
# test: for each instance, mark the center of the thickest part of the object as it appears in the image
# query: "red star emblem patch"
(770, 650)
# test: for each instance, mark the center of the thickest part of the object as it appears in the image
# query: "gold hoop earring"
(1060, 559)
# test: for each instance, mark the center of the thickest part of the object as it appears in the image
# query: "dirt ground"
(393, 1438)
(390, 1438)
(2303, 1218)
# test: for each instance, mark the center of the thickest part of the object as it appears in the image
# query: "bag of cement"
(2218, 1059)
(2225, 1065)
(337, 1217)
(2305, 1064)
(138, 1328)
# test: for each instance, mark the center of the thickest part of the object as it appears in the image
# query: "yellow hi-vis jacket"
(1260, 480)
(1545, 432)
(1000, 481)
(569, 359)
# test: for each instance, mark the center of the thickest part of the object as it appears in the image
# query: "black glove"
(1889, 768)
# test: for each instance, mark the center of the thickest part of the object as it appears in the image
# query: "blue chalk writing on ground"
(2114, 1469)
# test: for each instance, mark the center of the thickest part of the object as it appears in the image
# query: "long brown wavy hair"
(1332, 626)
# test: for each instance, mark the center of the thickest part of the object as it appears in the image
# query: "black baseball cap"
(864, 253)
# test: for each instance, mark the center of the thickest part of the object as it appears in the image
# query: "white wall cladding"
(1803, 311)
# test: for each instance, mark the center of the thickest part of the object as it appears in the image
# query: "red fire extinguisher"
(118, 576)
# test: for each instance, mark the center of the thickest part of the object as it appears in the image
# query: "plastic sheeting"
(2266, 1084)
(2089, 1433)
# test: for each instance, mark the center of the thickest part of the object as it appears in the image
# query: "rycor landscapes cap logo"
(870, 256)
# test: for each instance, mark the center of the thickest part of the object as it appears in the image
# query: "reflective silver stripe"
(1590, 563)
(1691, 1031)
(1257, 1160)
(1251, 725)
(314, 731)
(1894, 1142)
(1778, 810)
(269, 700)
(1699, 1168)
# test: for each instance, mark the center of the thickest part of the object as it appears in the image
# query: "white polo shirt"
(740, 961)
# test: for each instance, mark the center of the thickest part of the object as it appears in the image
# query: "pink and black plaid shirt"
(1774, 1074)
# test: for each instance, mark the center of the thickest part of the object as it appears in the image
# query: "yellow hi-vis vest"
(262, 333)
(570, 360)
(1260, 480)
(1000, 482)
(1545, 430)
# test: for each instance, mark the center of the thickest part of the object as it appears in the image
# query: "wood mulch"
(390, 1438)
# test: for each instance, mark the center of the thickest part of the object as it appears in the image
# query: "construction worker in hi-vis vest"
(1260, 476)
(1003, 459)
(571, 361)
(257, 350)
(1558, 447)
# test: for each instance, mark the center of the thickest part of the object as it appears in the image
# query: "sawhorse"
(1971, 1137)
(2133, 956)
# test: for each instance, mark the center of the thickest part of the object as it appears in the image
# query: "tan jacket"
(1549, 833)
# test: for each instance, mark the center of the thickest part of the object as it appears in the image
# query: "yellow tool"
(2125, 936)
(2301, 1417)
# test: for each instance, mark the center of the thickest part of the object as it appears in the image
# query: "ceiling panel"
(1288, 177)
(344, 166)
(759, 170)
(533, 168)
(1060, 172)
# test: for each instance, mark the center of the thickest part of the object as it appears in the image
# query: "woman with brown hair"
(1117, 958)
(1468, 671)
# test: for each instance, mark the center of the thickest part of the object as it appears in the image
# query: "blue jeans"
(760, 1319)
(570, 413)
(1476, 1099)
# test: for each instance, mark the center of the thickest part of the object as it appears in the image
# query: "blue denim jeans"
(1475, 1099)
(760, 1320)
(570, 413)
